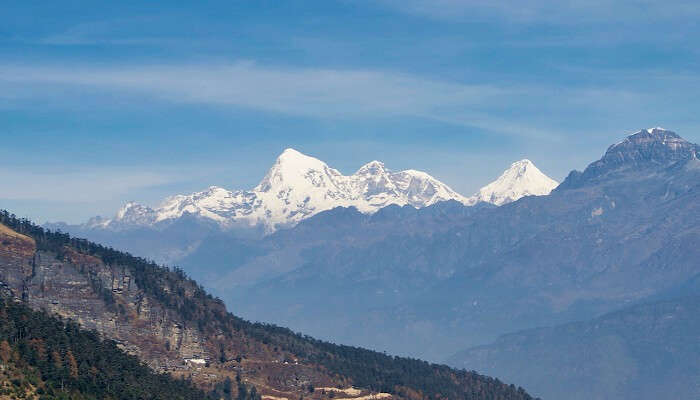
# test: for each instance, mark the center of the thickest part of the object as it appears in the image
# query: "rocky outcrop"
(102, 298)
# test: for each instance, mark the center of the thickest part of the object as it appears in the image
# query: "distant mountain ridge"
(652, 348)
(298, 186)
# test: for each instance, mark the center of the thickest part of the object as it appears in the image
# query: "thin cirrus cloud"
(554, 12)
(118, 31)
(305, 92)
(95, 184)
(319, 93)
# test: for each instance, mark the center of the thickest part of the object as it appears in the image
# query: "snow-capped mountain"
(296, 187)
(520, 180)
(299, 186)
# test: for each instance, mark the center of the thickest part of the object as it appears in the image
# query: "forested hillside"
(47, 358)
(371, 371)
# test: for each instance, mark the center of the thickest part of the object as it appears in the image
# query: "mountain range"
(298, 186)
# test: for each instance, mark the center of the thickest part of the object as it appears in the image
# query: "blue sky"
(104, 103)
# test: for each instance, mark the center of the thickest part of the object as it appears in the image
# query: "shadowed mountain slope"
(649, 351)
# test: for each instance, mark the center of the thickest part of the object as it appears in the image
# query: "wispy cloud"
(89, 185)
(306, 92)
(323, 93)
(552, 11)
(118, 31)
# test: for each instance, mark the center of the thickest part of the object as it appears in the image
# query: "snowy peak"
(293, 168)
(135, 214)
(372, 168)
(212, 203)
(292, 161)
(421, 188)
(521, 167)
(521, 179)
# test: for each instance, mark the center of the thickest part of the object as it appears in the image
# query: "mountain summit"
(647, 148)
(655, 145)
(522, 179)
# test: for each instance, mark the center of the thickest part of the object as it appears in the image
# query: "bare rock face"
(654, 145)
(648, 148)
(102, 298)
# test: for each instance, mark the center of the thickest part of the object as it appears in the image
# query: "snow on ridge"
(657, 128)
(298, 186)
